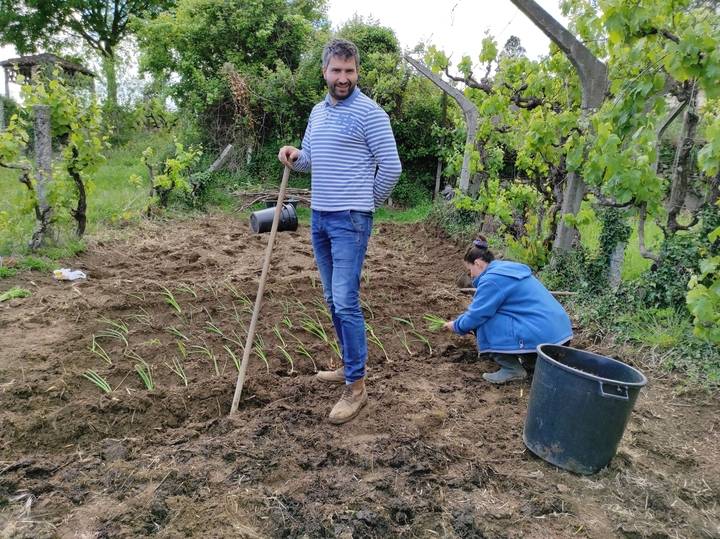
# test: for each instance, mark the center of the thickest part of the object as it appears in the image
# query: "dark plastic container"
(261, 220)
(579, 405)
(273, 203)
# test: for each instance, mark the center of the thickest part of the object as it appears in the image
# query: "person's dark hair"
(479, 249)
(341, 48)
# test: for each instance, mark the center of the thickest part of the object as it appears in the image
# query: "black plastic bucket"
(579, 405)
(272, 203)
(261, 220)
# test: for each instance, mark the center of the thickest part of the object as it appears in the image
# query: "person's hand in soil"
(288, 155)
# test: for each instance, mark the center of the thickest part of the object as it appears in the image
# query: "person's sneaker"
(353, 399)
(334, 377)
(505, 375)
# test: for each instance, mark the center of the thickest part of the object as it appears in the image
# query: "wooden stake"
(261, 289)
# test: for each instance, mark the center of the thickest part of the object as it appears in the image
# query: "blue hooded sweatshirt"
(512, 312)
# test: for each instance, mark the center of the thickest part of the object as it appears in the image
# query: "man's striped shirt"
(350, 150)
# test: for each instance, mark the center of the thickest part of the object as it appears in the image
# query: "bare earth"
(437, 452)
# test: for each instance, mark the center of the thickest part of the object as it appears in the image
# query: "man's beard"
(340, 97)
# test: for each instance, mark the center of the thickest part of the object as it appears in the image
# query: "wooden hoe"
(261, 289)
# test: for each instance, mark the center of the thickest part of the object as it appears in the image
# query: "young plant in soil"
(246, 303)
(175, 331)
(187, 289)
(373, 338)
(236, 340)
(303, 351)
(403, 334)
(98, 380)
(143, 318)
(406, 344)
(205, 350)
(212, 328)
(115, 330)
(278, 334)
(207, 312)
(100, 351)
(140, 297)
(365, 305)
(288, 357)
(300, 305)
(170, 300)
(419, 336)
(145, 373)
(314, 327)
(322, 308)
(259, 350)
(422, 339)
(235, 359)
(178, 369)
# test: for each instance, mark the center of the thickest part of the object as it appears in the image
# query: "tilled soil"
(437, 452)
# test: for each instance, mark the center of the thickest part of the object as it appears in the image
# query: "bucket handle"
(615, 391)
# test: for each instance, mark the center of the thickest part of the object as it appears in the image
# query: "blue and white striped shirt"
(350, 150)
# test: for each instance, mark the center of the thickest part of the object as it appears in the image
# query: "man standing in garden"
(350, 150)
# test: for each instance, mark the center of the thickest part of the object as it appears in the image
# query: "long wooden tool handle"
(261, 289)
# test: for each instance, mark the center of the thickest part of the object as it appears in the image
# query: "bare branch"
(15, 167)
(608, 202)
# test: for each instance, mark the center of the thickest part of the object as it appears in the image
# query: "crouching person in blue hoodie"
(511, 313)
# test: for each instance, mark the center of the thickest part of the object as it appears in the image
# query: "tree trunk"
(109, 69)
(80, 212)
(438, 171)
(594, 80)
(438, 178)
(682, 164)
(469, 111)
(43, 156)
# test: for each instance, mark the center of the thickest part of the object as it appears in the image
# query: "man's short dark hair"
(341, 48)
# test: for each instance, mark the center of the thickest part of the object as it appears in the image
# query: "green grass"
(7, 272)
(634, 264)
(111, 199)
(13, 293)
(664, 328)
(410, 215)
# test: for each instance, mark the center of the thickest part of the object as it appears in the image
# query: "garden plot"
(115, 392)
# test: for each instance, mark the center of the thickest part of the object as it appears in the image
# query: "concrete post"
(43, 157)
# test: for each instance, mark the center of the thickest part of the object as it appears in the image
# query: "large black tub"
(579, 405)
(261, 220)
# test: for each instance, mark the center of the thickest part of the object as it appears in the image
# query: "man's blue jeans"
(340, 240)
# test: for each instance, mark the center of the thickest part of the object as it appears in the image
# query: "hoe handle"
(261, 289)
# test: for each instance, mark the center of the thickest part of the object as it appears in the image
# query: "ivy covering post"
(43, 156)
(469, 110)
(594, 78)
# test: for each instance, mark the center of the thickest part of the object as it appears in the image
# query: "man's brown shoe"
(336, 377)
(353, 399)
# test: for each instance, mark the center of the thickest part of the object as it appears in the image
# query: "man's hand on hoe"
(288, 155)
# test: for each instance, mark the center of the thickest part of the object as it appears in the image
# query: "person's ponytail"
(479, 249)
